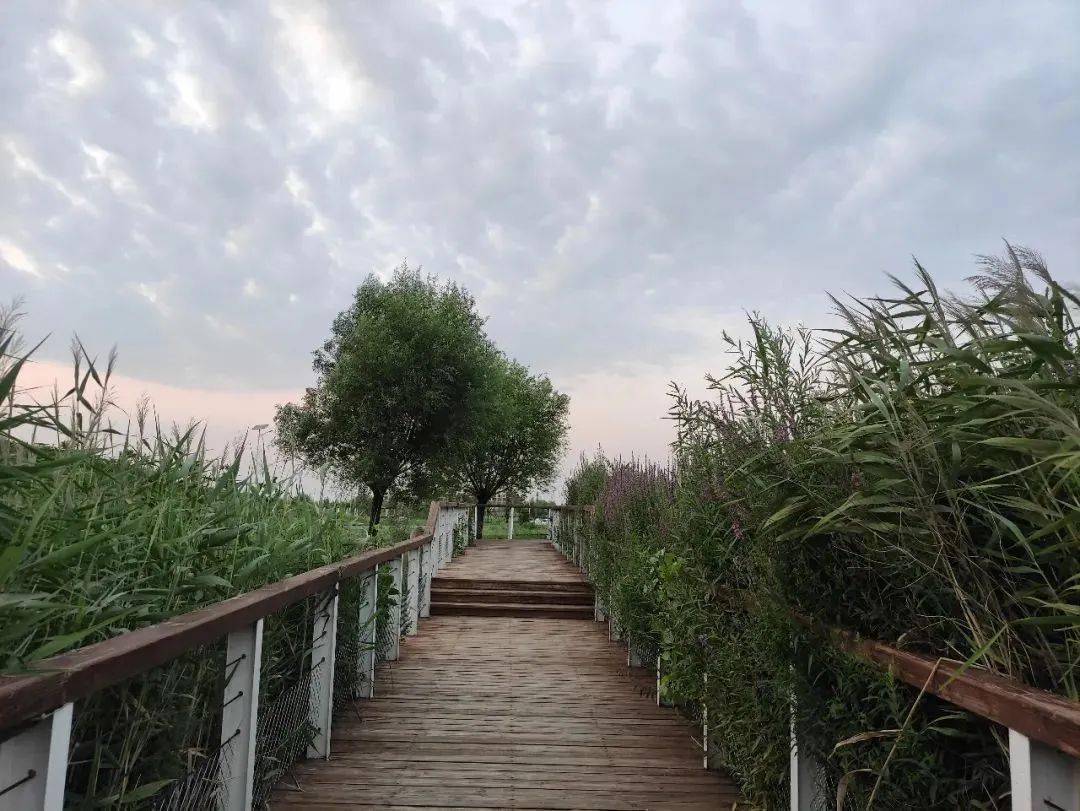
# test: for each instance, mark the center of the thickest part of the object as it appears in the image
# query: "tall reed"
(109, 523)
(910, 475)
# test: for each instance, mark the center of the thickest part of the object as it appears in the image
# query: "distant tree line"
(412, 397)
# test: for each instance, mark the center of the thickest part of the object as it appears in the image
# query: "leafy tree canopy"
(397, 376)
(515, 438)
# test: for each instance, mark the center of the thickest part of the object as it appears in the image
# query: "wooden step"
(537, 611)
(505, 596)
(477, 584)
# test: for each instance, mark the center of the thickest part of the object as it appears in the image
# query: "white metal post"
(806, 791)
(323, 650)
(368, 622)
(661, 701)
(414, 591)
(33, 764)
(427, 566)
(708, 753)
(705, 729)
(395, 610)
(240, 717)
(1042, 777)
(510, 527)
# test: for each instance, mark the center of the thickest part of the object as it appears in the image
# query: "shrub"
(911, 477)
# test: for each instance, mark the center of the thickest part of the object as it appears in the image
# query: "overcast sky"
(204, 184)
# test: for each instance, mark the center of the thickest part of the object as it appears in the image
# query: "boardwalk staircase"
(460, 592)
(509, 598)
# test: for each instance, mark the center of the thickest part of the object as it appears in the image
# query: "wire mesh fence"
(151, 741)
(203, 786)
(348, 679)
(284, 727)
(388, 595)
(423, 593)
(155, 741)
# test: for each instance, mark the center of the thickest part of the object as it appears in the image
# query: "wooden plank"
(504, 712)
(516, 563)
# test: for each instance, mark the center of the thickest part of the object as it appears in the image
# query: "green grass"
(496, 524)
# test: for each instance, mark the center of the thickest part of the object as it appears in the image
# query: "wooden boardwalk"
(510, 712)
(528, 561)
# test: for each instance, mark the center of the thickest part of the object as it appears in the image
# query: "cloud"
(614, 182)
(17, 258)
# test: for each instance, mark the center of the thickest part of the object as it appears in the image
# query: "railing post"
(367, 629)
(1042, 777)
(660, 700)
(414, 591)
(323, 651)
(598, 609)
(33, 764)
(427, 567)
(510, 527)
(806, 788)
(705, 729)
(240, 717)
(708, 753)
(395, 610)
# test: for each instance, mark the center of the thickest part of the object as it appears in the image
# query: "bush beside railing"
(910, 477)
(1039, 753)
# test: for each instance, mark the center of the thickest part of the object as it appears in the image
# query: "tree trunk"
(481, 506)
(377, 497)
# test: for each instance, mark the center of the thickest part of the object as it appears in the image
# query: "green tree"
(515, 438)
(395, 379)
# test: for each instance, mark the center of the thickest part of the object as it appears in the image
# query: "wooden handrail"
(1038, 714)
(81, 672)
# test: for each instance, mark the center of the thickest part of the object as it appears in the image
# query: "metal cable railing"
(261, 677)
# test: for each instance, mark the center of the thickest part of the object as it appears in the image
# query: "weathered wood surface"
(512, 579)
(508, 712)
(525, 561)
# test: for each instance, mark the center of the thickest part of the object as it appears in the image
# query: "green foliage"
(515, 436)
(584, 484)
(105, 530)
(912, 479)
(398, 374)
